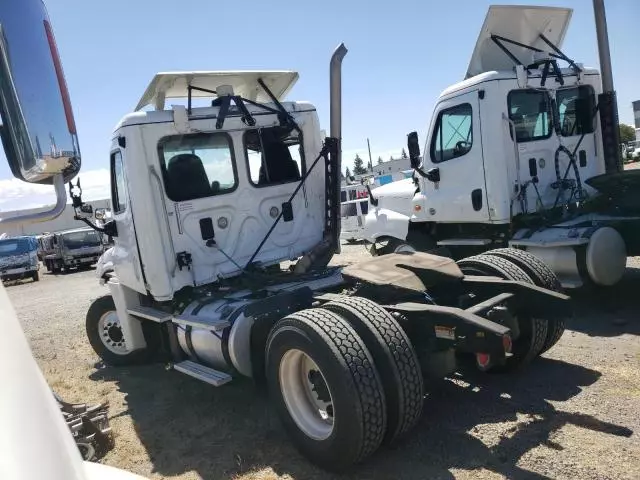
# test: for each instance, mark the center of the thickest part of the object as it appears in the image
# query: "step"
(213, 324)
(149, 313)
(206, 374)
(464, 241)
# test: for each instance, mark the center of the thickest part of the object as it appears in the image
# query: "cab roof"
(522, 24)
(244, 83)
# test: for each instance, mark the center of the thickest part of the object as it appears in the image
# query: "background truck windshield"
(81, 239)
(15, 246)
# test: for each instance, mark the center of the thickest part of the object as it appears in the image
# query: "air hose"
(562, 183)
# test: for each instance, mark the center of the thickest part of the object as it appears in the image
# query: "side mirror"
(38, 129)
(414, 150)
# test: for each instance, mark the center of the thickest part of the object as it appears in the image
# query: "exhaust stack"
(335, 127)
(335, 92)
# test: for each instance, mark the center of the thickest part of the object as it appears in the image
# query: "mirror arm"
(61, 202)
(421, 172)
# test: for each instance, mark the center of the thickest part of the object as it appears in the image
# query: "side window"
(118, 186)
(275, 156)
(575, 110)
(197, 165)
(530, 112)
(453, 134)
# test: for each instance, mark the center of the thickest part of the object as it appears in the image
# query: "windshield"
(15, 246)
(81, 239)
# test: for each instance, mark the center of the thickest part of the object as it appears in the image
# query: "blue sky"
(402, 54)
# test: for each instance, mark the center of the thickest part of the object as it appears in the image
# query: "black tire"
(542, 276)
(394, 358)
(102, 306)
(352, 380)
(533, 331)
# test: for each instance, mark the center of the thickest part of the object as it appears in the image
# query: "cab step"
(201, 372)
(213, 324)
(148, 313)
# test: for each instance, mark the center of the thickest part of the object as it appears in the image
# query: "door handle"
(476, 199)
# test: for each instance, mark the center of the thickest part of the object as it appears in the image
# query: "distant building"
(63, 222)
(395, 165)
(636, 118)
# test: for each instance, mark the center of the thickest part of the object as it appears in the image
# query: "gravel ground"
(571, 414)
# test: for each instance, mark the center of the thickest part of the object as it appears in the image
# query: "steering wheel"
(461, 147)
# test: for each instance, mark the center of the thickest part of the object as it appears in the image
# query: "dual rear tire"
(537, 335)
(344, 380)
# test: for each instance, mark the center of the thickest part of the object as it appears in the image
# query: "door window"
(575, 110)
(197, 165)
(530, 112)
(453, 134)
(275, 156)
(118, 185)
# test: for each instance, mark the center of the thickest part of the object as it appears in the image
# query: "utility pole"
(370, 159)
(607, 103)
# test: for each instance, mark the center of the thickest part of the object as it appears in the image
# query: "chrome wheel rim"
(110, 332)
(306, 394)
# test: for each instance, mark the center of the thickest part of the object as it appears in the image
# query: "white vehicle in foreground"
(521, 153)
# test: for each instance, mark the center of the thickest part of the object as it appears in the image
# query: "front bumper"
(75, 262)
(17, 273)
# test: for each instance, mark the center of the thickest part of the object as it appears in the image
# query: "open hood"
(245, 83)
(522, 24)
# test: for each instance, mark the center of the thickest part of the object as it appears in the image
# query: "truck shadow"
(608, 312)
(188, 426)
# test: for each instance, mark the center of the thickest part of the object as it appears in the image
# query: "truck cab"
(75, 248)
(511, 152)
(19, 258)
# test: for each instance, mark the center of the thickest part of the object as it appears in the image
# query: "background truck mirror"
(39, 143)
(414, 149)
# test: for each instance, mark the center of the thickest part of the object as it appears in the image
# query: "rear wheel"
(542, 276)
(394, 358)
(325, 388)
(533, 331)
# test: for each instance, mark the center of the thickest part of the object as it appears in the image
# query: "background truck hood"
(404, 188)
(396, 196)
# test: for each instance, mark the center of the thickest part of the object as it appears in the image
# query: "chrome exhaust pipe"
(335, 94)
(335, 128)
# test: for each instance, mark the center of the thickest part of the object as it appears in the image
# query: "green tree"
(347, 173)
(403, 154)
(358, 166)
(627, 133)
(379, 160)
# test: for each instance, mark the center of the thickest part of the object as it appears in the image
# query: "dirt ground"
(574, 413)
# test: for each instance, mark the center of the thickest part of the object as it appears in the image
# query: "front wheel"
(105, 334)
(325, 388)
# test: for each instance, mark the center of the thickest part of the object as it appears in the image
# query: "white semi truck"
(522, 153)
(208, 201)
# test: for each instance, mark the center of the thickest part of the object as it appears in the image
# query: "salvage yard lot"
(574, 413)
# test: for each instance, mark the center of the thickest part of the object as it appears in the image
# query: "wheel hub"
(306, 394)
(111, 333)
